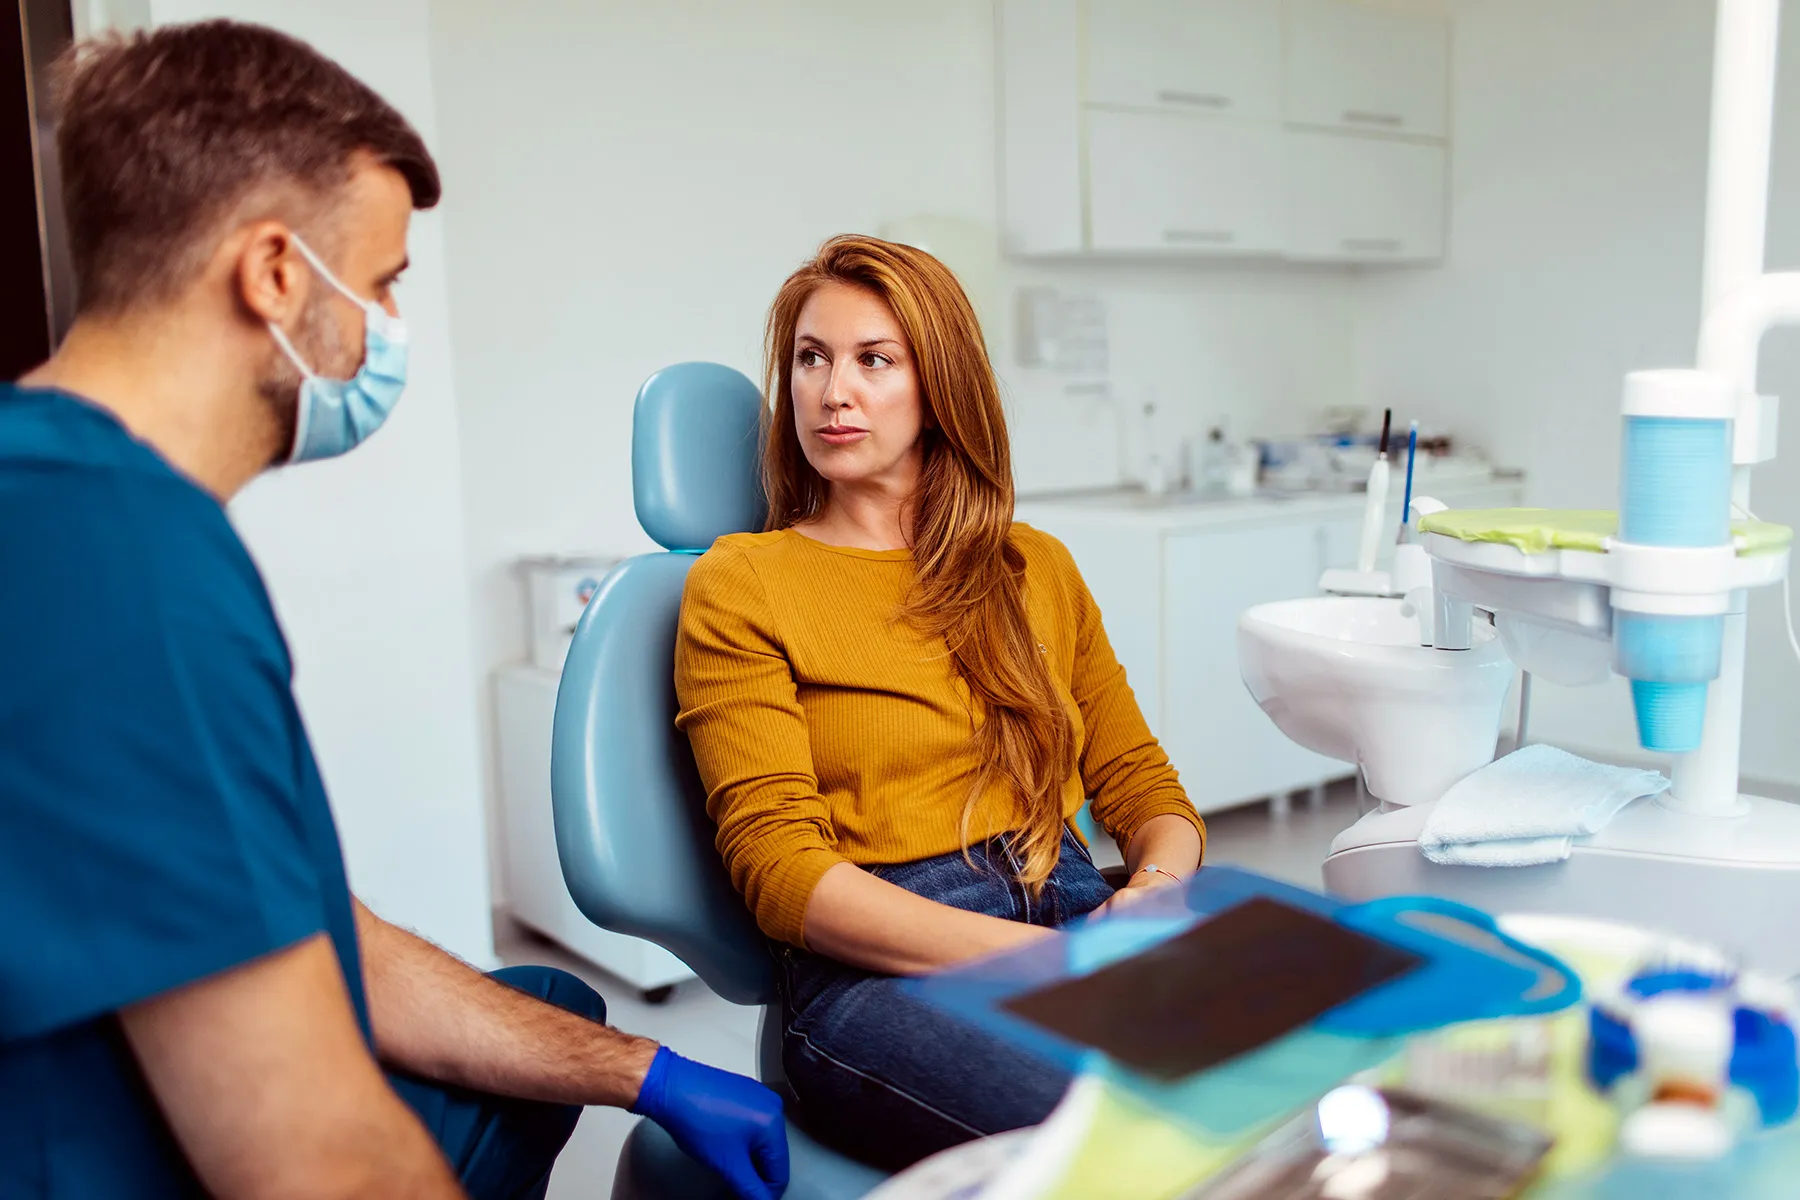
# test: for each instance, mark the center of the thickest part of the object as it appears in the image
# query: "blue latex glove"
(730, 1123)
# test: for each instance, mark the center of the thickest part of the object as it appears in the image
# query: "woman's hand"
(1164, 853)
(1145, 882)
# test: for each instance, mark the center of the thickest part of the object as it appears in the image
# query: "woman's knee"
(877, 1055)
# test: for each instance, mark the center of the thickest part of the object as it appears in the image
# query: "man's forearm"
(441, 1019)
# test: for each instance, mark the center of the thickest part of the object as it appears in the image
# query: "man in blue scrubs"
(190, 999)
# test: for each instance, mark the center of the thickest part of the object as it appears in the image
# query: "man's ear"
(266, 275)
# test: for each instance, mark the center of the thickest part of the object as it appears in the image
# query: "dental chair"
(631, 827)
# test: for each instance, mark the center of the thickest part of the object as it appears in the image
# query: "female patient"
(898, 699)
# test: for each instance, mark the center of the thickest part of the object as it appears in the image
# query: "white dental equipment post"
(1375, 505)
(1703, 861)
(1739, 303)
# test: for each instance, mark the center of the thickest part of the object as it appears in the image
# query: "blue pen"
(1412, 449)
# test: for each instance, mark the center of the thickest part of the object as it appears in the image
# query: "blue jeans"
(888, 1079)
(501, 1148)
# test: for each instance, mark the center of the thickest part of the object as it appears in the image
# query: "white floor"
(700, 1025)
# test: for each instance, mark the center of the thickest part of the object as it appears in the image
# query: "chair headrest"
(696, 456)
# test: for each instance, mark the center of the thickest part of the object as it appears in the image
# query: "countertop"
(1132, 505)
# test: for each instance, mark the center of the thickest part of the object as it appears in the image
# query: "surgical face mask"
(335, 415)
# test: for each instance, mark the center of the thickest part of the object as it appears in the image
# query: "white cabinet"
(1352, 199)
(1226, 750)
(1178, 128)
(1113, 565)
(1351, 66)
(531, 871)
(1181, 183)
(1041, 179)
(1211, 56)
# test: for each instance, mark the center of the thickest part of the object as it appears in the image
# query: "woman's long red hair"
(969, 585)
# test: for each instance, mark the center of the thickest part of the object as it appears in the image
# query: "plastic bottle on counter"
(1156, 472)
(1243, 467)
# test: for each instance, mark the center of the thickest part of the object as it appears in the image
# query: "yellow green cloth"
(1131, 1152)
(1535, 530)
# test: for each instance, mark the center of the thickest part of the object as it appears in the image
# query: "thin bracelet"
(1159, 871)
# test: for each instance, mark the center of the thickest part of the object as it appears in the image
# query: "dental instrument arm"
(268, 1087)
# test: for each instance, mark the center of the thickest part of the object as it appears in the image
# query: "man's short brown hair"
(162, 135)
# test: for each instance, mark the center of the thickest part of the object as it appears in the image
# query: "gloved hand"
(730, 1123)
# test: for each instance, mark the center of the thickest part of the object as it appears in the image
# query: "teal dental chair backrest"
(631, 827)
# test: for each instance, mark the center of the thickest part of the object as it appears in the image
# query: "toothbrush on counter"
(1412, 452)
(1376, 504)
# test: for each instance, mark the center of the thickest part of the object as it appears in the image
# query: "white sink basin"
(1346, 677)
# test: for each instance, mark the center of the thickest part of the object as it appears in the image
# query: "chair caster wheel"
(659, 995)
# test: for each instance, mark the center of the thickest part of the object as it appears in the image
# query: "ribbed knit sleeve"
(740, 711)
(1123, 767)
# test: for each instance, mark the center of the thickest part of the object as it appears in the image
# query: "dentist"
(190, 999)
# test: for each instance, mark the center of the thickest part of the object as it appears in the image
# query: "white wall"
(629, 184)
(1577, 198)
(367, 561)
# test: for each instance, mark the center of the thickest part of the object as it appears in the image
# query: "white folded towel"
(1528, 808)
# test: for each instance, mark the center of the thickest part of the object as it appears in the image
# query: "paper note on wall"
(1064, 332)
(1056, 380)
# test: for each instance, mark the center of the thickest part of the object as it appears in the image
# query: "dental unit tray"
(1505, 559)
(1234, 1001)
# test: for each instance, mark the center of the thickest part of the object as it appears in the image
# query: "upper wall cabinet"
(1363, 199)
(1353, 67)
(1221, 57)
(1174, 183)
(1310, 129)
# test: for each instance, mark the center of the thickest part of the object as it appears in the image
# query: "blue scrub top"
(161, 815)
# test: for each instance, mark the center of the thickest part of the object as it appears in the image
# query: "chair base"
(652, 1167)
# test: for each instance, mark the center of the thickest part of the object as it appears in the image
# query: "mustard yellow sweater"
(827, 731)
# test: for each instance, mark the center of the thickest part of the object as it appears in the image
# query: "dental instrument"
(1412, 453)
(1375, 507)
(1656, 593)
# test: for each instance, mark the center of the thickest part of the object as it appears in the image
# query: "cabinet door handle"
(1354, 116)
(1374, 245)
(1196, 99)
(1202, 237)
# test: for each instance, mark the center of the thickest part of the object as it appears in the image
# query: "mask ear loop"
(303, 414)
(303, 410)
(318, 264)
(287, 348)
(281, 338)
(376, 314)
